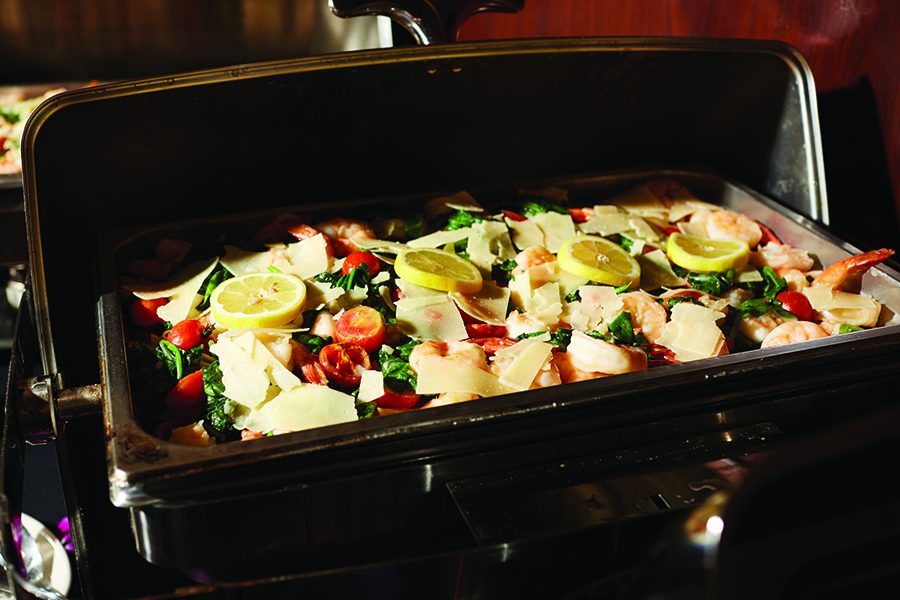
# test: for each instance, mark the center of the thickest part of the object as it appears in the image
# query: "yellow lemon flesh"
(701, 254)
(258, 300)
(438, 270)
(598, 259)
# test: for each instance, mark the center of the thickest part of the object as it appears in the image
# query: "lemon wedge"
(701, 254)
(598, 259)
(438, 270)
(258, 300)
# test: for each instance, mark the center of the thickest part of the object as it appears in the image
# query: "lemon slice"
(701, 254)
(438, 270)
(598, 259)
(258, 300)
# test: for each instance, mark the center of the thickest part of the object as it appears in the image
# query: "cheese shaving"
(526, 365)
(692, 333)
(371, 386)
(488, 305)
(439, 238)
(181, 291)
(440, 375)
(557, 229)
(488, 243)
(431, 318)
(656, 271)
(525, 233)
(309, 406)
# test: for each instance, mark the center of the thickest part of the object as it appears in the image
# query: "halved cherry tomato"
(397, 400)
(483, 330)
(660, 355)
(768, 236)
(797, 304)
(186, 334)
(187, 392)
(313, 373)
(354, 259)
(491, 344)
(362, 326)
(513, 216)
(344, 363)
(580, 215)
(670, 230)
(143, 312)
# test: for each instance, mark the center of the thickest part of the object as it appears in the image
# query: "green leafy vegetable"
(500, 272)
(675, 300)
(211, 282)
(395, 366)
(461, 248)
(714, 284)
(178, 362)
(219, 408)
(357, 277)
(462, 218)
(774, 283)
(623, 288)
(623, 331)
(849, 329)
(626, 243)
(573, 296)
(537, 206)
(758, 306)
(375, 300)
(414, 225)
(561, 337)
(366, 410)
(273, 269)
(313, 343)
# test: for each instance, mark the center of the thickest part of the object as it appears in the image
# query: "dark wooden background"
(852, 46)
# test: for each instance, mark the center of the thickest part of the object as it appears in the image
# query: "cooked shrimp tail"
(846, 274)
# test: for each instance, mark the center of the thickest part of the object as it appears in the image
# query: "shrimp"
(597, 356)
(308, 363)
(728, 225)
(518, 323)
(569, 373)
(647, 315)
(249, 434)
(793, 332)
(782, 257)
(323, 325)
(847, 274)
(343, 232)
(465, 353)
(756, 329)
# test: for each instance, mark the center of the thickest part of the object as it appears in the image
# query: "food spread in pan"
(15, 109)
(313, 323)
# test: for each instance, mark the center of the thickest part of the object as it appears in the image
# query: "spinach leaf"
(462, 218)
(714, 284)
(366, 410)
(395, 366)
(537, 206)
(357, 277)
(211, 282)
(313, 343)
(219, 408)
(623, 331)
(500, 272)
(774, 284)
(849, 329)
(178, 362)
(757, 307)
(561, 337)
(414, 225)
(675, 300)
(626, 243)
(573, 296)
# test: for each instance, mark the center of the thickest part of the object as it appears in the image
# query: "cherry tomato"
(768, 236)
(186, 334)
(143, 312)
(2, 145)
(187, 392)
(580, 215)
(344, 363)
(670, 230)
(354, 259)
(797, 304)
(362, 326)
(513, 216)
(396, 400)
(491, 344)
(483, 330)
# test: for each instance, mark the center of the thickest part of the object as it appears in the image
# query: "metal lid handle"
(429, 21)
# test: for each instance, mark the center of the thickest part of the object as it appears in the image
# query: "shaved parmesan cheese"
(642, 230)
(306, 258)
(606, 221)
(525, 233)
(694, 229)
(439, 238)
(254, 420)
(600, 302)
(568, 283)
(443, 205)
(748, 275)
(488, 243)
(525, 366)
(488, 305)
(411, 290)
(557, 229)
(371, 386)
(181, 291)
(545, 304)
(640, 201)
(379, 245)
(519, 323)
(245, 380)
(680, 209)
(440, 375)
(692, 333)
(309, 406)
(320, 295)
(656, 271)
(242, 262)
(257, 352)
(431, 318)
(824, 298)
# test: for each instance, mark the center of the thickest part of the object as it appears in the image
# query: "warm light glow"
(715, 525)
